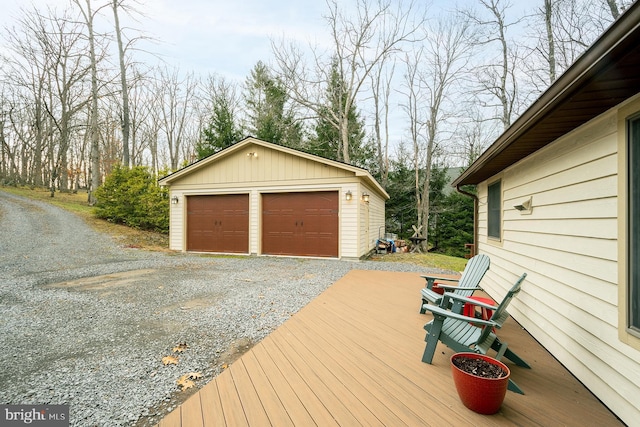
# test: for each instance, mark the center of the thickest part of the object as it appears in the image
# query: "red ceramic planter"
(481, 395)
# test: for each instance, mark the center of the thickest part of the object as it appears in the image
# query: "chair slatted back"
(500, 315)
(473, 273)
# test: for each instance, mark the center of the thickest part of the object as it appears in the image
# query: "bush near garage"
(132, 197)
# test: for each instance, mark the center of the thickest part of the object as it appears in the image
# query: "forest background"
(411, 91)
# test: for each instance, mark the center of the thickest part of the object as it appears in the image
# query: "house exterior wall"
(569, 246)
(272, 171)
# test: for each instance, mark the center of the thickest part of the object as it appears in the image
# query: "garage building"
(259, 198)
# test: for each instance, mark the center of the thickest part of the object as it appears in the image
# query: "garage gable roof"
(233, 149)
(603, 77)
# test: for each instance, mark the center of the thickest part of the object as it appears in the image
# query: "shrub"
(132, 197)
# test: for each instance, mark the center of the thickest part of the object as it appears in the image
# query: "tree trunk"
(125, 123)
(613, 7)
(94, 168)
(548, 17)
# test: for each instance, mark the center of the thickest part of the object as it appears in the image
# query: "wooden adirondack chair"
(469, 282)
(462, 333)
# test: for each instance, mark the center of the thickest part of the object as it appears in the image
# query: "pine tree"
(455, 224)
(221, 131)
(266, 105)
(327, 141)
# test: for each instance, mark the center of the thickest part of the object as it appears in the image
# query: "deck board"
(353, 357)
(191, 413)
(270, 401)
(287, 395)
(212, 414)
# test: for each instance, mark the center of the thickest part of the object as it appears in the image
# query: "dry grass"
(77, 203)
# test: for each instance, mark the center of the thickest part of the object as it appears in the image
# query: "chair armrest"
(454, 287)
(450, 295)
(431, 279)
(439, 311)
(427, 277)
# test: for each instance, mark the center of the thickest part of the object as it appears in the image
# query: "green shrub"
(132, 197)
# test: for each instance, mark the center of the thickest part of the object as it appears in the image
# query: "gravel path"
(85, 322)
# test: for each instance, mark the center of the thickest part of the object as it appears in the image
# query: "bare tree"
(27, 68)
(374, 32)
(125, 121)
(125, 84)
(414, 98)
(174, 97)
(94, 171)
(432, 74)
(497, 78)
(551, 57)
(561, 30)
(67, 95)
(140, 111)
(381, 80)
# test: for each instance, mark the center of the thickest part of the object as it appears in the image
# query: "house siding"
(568, 245)
(376, 220)
(349, 222)
(269, 166)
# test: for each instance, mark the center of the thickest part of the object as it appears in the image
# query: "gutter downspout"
(475, 216)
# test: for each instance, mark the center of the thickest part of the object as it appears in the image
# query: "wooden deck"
(352, 357)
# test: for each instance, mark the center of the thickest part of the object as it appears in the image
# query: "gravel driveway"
(85, 322)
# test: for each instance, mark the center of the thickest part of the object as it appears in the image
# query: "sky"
(225, 37)
(229, 37)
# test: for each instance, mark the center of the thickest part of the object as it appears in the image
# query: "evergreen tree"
(222, 130)
(437, 198)
(133, 197)
(266, 106)
(455, 224)
(327, 142)
(451, 213)
(401, 207)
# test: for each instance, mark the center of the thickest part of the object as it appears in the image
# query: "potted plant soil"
(481, 381)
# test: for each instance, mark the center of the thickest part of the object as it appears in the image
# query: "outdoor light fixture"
(348, 196)
(174, 200)
(365, 197)
(252, 154)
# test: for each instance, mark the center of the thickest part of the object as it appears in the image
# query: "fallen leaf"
(180, 347)
(225, 366)
(184, 382)
(170, 360)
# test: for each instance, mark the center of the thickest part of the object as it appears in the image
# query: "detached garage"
(260, 198)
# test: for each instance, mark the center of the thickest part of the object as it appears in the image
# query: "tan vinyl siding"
(371, 220)
(349, 222)
(377, 223)
(268, 166)
(568, 245)
(176, 219)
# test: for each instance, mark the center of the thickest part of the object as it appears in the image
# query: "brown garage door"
(218, 223)
(303, 224)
